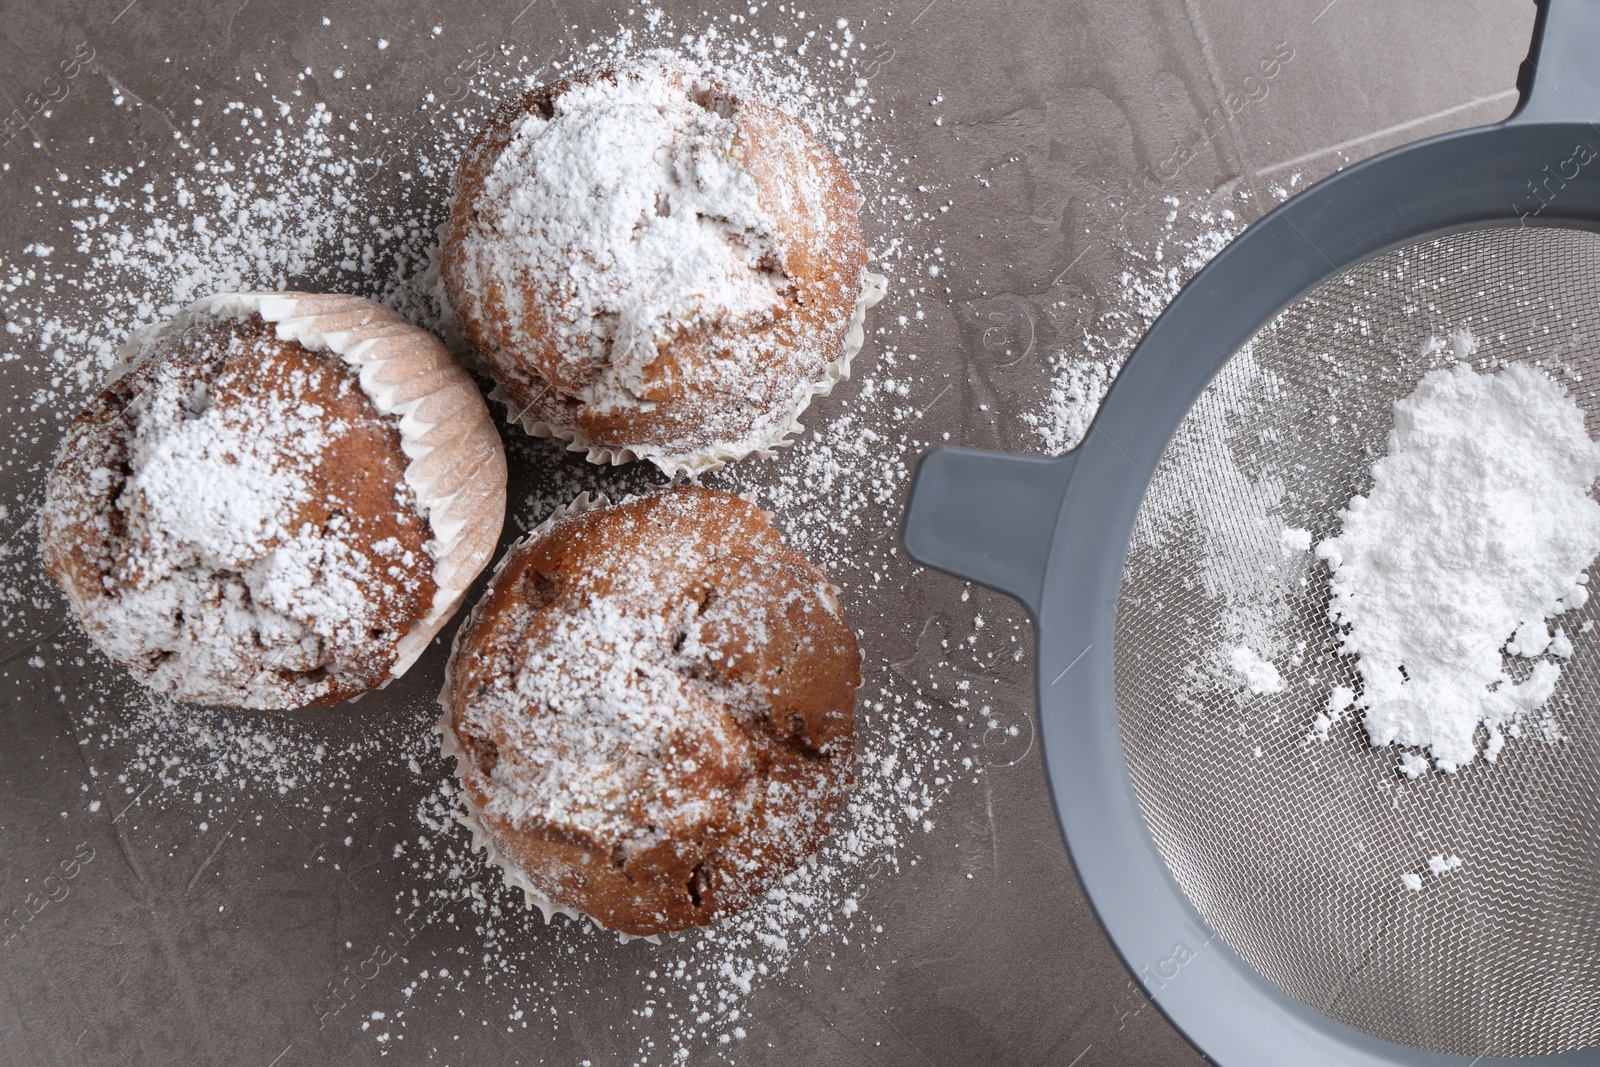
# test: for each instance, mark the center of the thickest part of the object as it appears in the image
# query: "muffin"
(276, 501)
(652, 710)
(650, 264)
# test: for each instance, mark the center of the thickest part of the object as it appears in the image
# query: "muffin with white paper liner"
(653, 265)
(652, 711)
(277, 500)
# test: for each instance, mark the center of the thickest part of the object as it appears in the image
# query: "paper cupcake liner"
(450, 747)
(456, 468)
(763, 443)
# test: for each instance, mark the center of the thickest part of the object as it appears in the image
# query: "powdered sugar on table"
(286, 190)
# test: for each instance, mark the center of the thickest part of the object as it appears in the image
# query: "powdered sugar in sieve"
(1457, 913)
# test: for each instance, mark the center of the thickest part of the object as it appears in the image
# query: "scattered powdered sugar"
(1086, 366)
(1339, 702)
(1477, 531)
(1242, 551)
(154, 242)
(293, 193)
(1439, 865)
(1214, 493)
(1075, 394)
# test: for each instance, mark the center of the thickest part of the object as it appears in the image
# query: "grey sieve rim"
(1053, 531)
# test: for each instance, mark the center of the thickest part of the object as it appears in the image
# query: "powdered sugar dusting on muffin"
(628, 687)
(762, 439)
(456, 468)
(653, 266)
(211, 483)
(678, 237)
(216, 567)
(602, 698)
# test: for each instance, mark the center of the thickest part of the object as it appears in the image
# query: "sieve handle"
(1559, 81)
(989, 517)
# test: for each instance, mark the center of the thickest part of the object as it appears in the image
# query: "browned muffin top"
(652, 264)
(656, 701)
(232, 523)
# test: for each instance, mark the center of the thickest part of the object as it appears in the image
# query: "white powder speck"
(1339, 701)
(1227, 514)
(1294, 539)
(1083, 370)
(1075, 394)
(1442, 865)
(1477, 531)
(1258, 674)
(1412, 881)
(1414, 765)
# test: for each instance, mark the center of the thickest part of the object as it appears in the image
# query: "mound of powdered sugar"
(1477, 531)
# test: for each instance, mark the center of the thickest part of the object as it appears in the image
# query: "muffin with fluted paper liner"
(277, 500)
(652, 711)
(654, 265)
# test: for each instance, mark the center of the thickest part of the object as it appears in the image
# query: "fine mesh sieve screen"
(1293, 849)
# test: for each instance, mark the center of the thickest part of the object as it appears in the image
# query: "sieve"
(1250, 876)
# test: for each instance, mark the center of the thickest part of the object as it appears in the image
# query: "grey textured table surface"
(1031, 123)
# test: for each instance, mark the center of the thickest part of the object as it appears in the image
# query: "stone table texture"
(190, 886)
